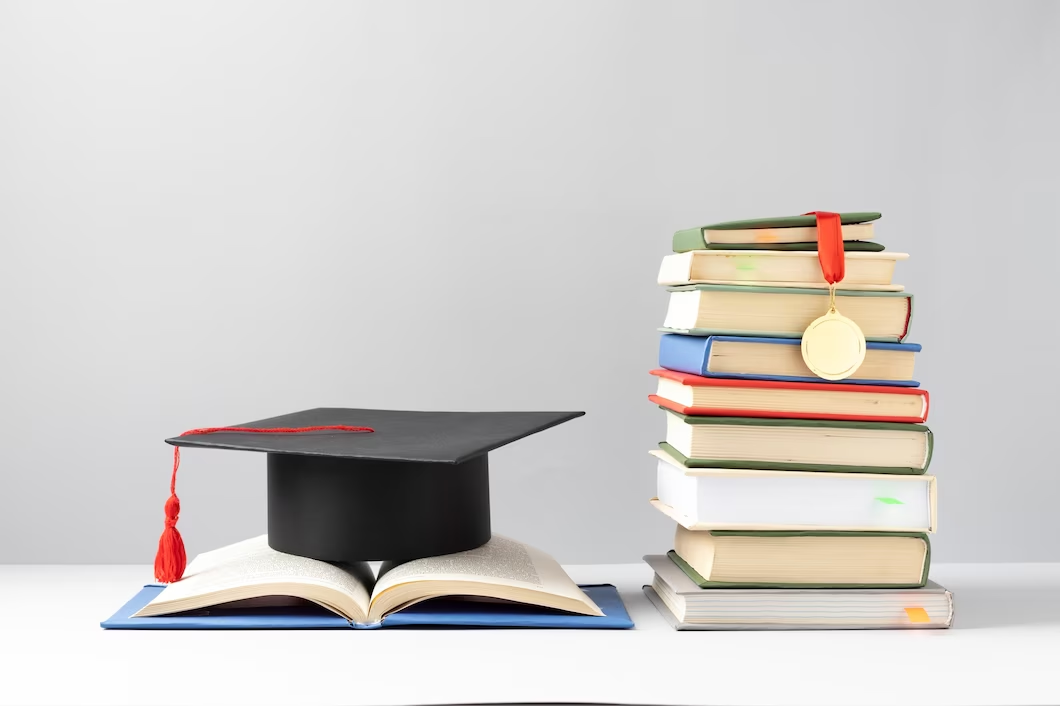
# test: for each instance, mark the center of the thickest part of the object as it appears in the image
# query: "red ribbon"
(830, 245)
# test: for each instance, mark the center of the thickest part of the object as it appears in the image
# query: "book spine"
(927, 555)
(930, 449)
(908, 319)
(684, 354)
(689, 239)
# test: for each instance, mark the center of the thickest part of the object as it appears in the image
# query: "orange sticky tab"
(917, 615)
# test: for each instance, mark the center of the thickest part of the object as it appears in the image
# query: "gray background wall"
(213, 213)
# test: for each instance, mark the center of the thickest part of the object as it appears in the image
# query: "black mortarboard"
(414, 484)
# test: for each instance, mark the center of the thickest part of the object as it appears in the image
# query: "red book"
(719, 397)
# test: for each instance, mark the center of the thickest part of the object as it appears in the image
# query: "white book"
(723, 498)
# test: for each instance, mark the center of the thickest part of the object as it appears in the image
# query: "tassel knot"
(172, 511)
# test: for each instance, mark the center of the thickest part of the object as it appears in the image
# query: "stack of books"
(798, 502)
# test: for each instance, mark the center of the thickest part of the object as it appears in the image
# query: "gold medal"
(833, 346)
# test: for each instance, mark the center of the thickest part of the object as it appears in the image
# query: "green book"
(762, 444)
(848, 246)
(774, 233)
(861, 559)
(848, 218)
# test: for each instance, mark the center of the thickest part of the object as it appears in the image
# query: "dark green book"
(802, 559)
(847, 218)
(797, 444)
(848, 246)
(774, 233)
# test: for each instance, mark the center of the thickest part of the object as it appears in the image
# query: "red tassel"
(171, 558)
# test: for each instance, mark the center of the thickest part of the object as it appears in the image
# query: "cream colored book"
(774, 268)
(782, 312)
(778, 559)
(799, 444)
(502, 569)
(745, 499)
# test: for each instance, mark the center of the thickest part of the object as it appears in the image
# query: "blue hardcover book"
(747, 358)
(439, 612)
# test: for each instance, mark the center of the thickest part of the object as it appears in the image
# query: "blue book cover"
(691, 354)
(438, 612)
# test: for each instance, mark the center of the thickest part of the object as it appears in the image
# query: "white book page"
(251, 569)
(501, 562)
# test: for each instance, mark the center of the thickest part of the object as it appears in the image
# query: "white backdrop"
(216, 212)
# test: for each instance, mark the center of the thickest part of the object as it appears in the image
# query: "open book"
(251, 573)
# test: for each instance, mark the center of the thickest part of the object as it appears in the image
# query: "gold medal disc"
(833, 346)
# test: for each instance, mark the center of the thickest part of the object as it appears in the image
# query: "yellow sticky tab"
(917, 615)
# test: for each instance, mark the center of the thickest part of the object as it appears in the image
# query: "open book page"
(502, 568)
(251, 569)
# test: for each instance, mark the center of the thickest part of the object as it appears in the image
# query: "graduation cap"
(365, 484)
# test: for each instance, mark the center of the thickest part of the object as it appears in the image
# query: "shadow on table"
(1004, 607)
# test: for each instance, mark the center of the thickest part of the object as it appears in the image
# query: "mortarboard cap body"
(417, 485)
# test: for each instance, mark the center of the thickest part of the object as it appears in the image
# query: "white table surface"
(1003, 649)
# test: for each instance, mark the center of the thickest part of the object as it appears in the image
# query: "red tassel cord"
(171, 557)
(830, 245)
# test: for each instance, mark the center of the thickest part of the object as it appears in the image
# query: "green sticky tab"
(890, 501)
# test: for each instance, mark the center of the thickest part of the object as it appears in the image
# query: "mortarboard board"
(366, 484)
